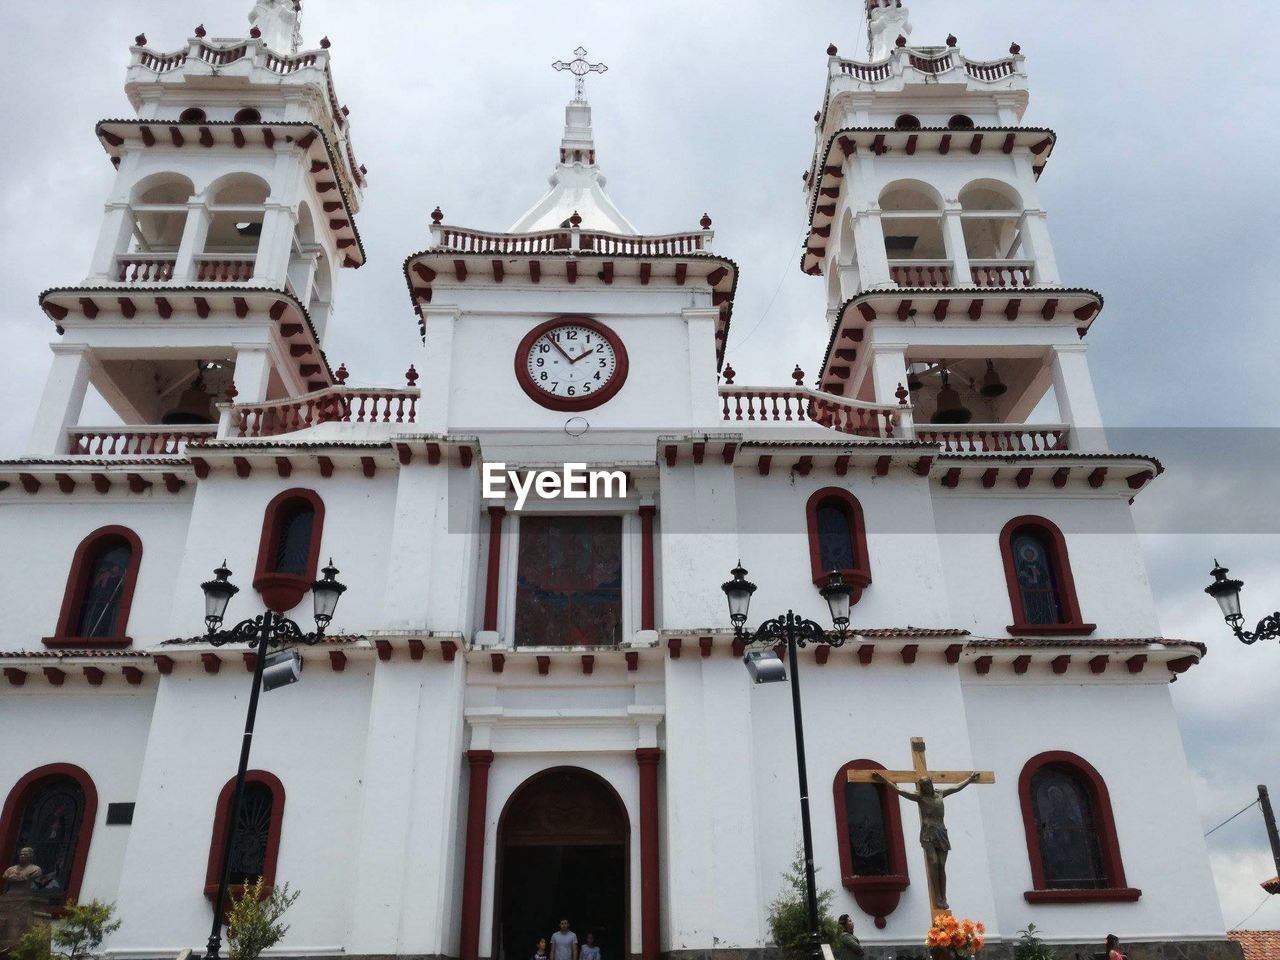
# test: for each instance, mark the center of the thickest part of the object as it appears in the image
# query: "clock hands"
(587, 353)
(561, 349)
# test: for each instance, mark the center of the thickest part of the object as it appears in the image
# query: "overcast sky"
(1161, 194)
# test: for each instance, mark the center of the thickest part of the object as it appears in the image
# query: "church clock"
(571, 363)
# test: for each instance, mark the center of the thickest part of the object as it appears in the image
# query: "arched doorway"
(563, 843)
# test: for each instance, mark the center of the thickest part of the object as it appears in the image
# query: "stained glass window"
(103, 591)
(253, 832)
(868, 834)
(569, 584)
(1066, 830)
(1037, 580)
(50, 825)
(293, 540)
(835, 536)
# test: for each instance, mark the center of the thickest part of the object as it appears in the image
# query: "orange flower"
(979, 942)
(967, 926)
(957, 939)
(982, 927)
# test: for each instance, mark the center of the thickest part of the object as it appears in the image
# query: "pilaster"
(62, 400)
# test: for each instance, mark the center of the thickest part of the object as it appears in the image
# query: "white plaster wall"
(49, 526)
(101, 730)
(1127, 731)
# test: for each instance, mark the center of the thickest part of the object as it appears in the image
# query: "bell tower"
(233, 209)
(926, 221)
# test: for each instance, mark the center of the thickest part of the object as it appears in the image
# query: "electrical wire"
(1252, 912)
(777, 289)
(1233, 816)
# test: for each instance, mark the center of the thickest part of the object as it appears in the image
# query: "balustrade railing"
(920, 273)
(871, 72)
(997, 437)
(930, 64)
(144, 267)
(339, 404)
(212, 269)
(991, 70)
(1002, 273)
(135, 441)
(803, 405)
(546, 241)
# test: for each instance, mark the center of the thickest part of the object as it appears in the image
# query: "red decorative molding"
(448, 649)
(909, 652)
(544, 664)
(859, 575)
(1055, 545)
(337, 661)
(384, 649)
(473, 853)
(494, 567)
(1104, 823)
(222, 823)
(588, 664)
(24, 791)
(673, 646)
(704, 646)
(587, 401)
(78, 583)
(876, 896)
(646, 566)
(650, 901)
(633, 660)
(284, 591)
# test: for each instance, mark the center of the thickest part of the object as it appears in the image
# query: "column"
(436, 367)
(62, 400)
(888, 373)
(646, 566)
(957, 249)
(473, 867)
(1035, 238)
(271, 265)
(117, 225)
(252, 372)
(494, 569)
(650, 891)
(873, 259)
(700, 329)
(194, 234)
(1077, 402)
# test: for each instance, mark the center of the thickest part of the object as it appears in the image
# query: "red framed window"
(569, 581)
(1042, 592)
(873, 858)
(99, 592)
(257, 833)
(51, 810)
(838, 539)
(1071, 833)
(289, 551)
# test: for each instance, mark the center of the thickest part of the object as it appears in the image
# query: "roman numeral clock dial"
(571, 363)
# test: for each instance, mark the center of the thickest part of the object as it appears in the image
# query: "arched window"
(256, 846)
(873, 860)
(960, 122)
(908, 121)
(1037, 572)
(51, 810)
(838, 539)
(192, 115)
(289, 550)
(248, 115)
(99, 593)
(237, 209)
(1071, 834)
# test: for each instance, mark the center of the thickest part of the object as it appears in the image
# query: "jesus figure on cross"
(933, 829)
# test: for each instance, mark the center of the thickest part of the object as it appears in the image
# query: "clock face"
(571, 363)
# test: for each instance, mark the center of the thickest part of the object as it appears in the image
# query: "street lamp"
(1227, 593)
(266, 630)
(764, 666)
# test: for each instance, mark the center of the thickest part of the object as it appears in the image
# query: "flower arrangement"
(951, 939)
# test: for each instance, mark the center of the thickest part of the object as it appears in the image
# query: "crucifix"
(579, 68)
(933, 831)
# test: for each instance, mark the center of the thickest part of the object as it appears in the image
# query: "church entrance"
(563, 851)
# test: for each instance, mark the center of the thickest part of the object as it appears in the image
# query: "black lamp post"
(765, 667)
(266, 630)
(1227, 593)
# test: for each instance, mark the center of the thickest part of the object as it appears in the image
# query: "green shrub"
(253, 923)
(789, 915)
(1031, 947)
(76, 935)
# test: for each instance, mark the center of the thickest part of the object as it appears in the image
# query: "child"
(540, 952)
(589, 949)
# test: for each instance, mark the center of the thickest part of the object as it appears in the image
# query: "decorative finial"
(255, 33)
(140, 40)
(1015, 49)
(901, 41)
(411, 375)
(729, 374)
(341, 374)
(437, 215)
(817, 115)
(798, 376)
(951, 40)
(902, 394)
(579, 67)
(705, 222)
(325, 43)
(575, 221)
(832, 50)
(200, 31)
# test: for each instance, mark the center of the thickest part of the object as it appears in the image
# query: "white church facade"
(528, 709)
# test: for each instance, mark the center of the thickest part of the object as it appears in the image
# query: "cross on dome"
(579, 67)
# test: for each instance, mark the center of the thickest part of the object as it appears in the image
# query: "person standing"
(589, 950)
(849, 946)
(540, 951)
(564, 943)
(1113, 948)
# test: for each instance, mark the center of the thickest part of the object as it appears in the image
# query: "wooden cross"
(930, 811)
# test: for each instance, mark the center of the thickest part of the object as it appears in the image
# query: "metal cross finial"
(579, 68)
